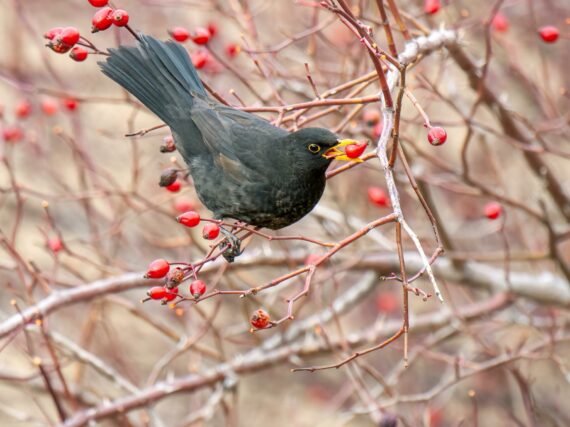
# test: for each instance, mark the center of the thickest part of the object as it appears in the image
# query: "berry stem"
(130, 30)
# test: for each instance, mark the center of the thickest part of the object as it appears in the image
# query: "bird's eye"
(314, 148)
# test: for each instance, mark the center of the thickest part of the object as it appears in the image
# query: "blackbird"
(243, 167)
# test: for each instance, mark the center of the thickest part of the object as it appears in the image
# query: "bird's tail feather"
(160, 74)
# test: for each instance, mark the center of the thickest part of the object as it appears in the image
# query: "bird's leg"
(230, 246)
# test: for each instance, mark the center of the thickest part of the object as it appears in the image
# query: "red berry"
(378, 196)
(435, 417)
(183, 205)
(157, 292)
(49, 107)
(212, 29)
(98, 3)
(200, 58)
(493, 210)
(179, 34)
(120, 17)
(377, 131)
(70, 104)
(432, 6)
(371, 117)
(260, 319)
(549, 33)
(233, 49)
(55, 244)
(500, 23)
(102, 19)
(201, 36)
(12, 134)
(171, 294)
(197, 288)
(157, 269)
(23, 109)
(387, 303)
(174, 187)
(210, 231)
(79, 54)
(355, 150)
(68, 36)
(51, 34)
(189, 219)
(437, 136)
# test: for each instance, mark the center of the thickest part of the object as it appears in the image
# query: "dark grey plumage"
(243, 167)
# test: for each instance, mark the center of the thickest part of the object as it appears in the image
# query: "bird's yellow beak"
(335, 153)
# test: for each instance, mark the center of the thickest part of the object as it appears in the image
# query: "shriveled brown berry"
(167, 177)
(167, 145)
(174, 277)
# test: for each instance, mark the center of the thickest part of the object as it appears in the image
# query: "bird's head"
(316, 148)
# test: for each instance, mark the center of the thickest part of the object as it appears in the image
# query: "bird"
(243, 167)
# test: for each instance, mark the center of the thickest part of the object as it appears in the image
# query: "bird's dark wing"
(239, 142)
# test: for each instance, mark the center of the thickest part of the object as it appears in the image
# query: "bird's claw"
(230, 246)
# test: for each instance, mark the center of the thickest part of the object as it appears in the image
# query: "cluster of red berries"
(159, 269)
(500, 23)
(191, 219)
(13, 133)
(548, 33)
(63, 40)
(201, 36)
(107, 16)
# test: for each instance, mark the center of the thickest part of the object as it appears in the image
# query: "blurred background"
(82, 216)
